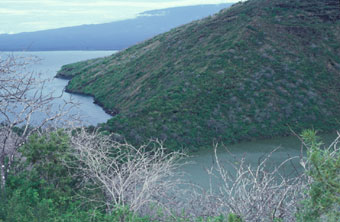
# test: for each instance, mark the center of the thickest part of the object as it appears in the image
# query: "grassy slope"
(247, 72)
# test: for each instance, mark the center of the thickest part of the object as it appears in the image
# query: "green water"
(253, 152)
(195, 171)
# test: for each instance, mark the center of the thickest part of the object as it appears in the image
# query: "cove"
(51, 61)
(253, 152)
(47, 63)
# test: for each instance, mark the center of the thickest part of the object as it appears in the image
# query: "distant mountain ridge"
(258, 69)
(109, 36)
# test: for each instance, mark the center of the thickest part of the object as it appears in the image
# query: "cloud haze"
(32, 15)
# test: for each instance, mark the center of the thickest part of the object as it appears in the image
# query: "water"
(49, 63)
(93, 114)
(253, 152)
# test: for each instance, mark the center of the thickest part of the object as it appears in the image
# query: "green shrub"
(323, 203)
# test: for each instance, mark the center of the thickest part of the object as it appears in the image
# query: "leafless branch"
(255, 193)
(138, 177)
(22, 97)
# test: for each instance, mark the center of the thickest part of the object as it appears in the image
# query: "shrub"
(323, 202)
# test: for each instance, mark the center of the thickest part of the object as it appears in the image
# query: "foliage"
(45, 183)
(226, 78)
(324, 169)
(43, 188)
(51, 183)
(234, 218)
(22, 98)
(40, 184)
(45, 154)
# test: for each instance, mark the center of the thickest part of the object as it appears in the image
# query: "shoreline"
(112, 113)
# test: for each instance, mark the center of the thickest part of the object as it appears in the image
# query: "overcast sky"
(32, 15)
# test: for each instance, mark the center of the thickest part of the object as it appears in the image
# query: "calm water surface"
(254, 151)
(49, 63)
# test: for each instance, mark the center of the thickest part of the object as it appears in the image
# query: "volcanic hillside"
(255, 70)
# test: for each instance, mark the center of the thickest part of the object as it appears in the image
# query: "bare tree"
(21, 97)
(137, 177)
(146, 176)
(255, 193)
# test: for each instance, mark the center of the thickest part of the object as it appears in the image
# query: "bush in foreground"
(81, 176)
(323, 201)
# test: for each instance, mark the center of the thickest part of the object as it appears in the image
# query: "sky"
(32, 15)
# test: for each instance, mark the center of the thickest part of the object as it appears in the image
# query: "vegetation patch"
(254, 70)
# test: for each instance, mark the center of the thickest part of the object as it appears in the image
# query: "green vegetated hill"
(254, 70)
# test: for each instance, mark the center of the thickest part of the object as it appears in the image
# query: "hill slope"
(251, 71)
(110, 36)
